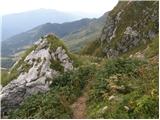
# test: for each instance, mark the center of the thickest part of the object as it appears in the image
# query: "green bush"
(72, 83)
(140, 90)
(113, 67)
(153, 48)
(56, 103)
(55, 43)
(121, 66)
(56, 65)
(44, 106)
(4, 77)
(147, 107)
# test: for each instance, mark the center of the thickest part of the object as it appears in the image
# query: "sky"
(97, 7)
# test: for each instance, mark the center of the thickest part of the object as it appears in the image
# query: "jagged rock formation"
(129, 26)
(36, 71)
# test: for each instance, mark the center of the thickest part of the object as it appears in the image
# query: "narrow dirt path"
(79, 108)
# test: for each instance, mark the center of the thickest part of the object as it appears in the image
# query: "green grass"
(4, 77)
(56, 65)
(93, 48)
(55, 43)
(153, 48)
(140, 93)
(49, 105)
(65, 89)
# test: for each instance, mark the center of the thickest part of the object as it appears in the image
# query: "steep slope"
(129, 26)
(77, 39)
(35, 71)
(13, 24)
(127, 88)
(74, 32)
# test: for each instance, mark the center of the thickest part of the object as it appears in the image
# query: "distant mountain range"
(73, 33)
(13, 24)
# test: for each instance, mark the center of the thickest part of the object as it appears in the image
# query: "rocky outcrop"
(129, 25)
(35, 73)
(63, 58)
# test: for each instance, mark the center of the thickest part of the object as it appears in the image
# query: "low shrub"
(56, 103)
(133, 86)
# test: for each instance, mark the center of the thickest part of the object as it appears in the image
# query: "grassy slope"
(132, 14)
(77, 39)
(132, 82)
(127, 79)
(133, 87)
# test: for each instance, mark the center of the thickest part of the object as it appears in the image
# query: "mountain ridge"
(13, 24)
(62, 30)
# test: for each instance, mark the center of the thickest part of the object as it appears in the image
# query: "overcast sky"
(97, 7)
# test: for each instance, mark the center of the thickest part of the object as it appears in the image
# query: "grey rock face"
(38, 77)
(118, 18)
(151, 34)
(64, 59)
(122, 33)
(130, 32)
(108, 30)
(129, 39)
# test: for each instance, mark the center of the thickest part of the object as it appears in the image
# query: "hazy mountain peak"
(19, 22)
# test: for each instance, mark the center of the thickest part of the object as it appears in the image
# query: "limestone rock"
(131, 32)
(37, 77)
(64, 59)
(124, 31)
